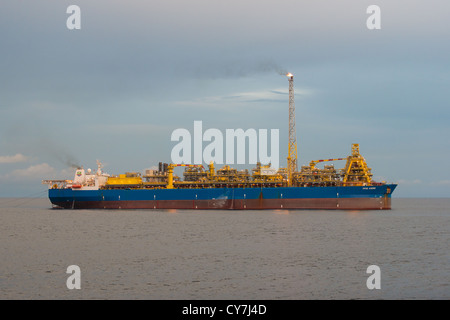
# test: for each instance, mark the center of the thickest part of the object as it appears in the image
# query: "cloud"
(409, 181)
(34, 171)
(128, 128)
(13, 159)
(442, 183)
(37, 172)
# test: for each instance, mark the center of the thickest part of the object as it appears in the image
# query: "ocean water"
(187, 254)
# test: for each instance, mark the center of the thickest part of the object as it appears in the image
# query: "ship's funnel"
(80, 176)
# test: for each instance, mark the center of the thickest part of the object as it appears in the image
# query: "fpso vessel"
(350, 188)
(265, 188)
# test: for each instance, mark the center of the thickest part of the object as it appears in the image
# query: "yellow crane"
(313, 163)
(356, 171)
(170, 168)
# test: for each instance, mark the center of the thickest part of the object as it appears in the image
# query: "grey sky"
(137, 70)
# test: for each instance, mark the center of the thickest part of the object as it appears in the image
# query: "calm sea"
(175, 254)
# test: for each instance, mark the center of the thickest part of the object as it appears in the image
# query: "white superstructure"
(83, 180)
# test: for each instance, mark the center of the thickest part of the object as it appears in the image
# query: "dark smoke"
(36, 138)
(239, 69)
(59, 153)
(269, 66)
(68, 160)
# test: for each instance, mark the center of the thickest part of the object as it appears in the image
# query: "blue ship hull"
(347, 198)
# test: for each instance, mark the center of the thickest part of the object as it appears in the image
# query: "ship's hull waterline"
(326, 198)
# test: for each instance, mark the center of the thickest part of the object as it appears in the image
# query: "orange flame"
(289, 74)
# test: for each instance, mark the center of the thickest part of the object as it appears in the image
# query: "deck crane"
(170, 168)
(356, 172)
(313, 163)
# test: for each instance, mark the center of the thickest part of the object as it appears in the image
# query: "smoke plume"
(58, 153)
(239, 69)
